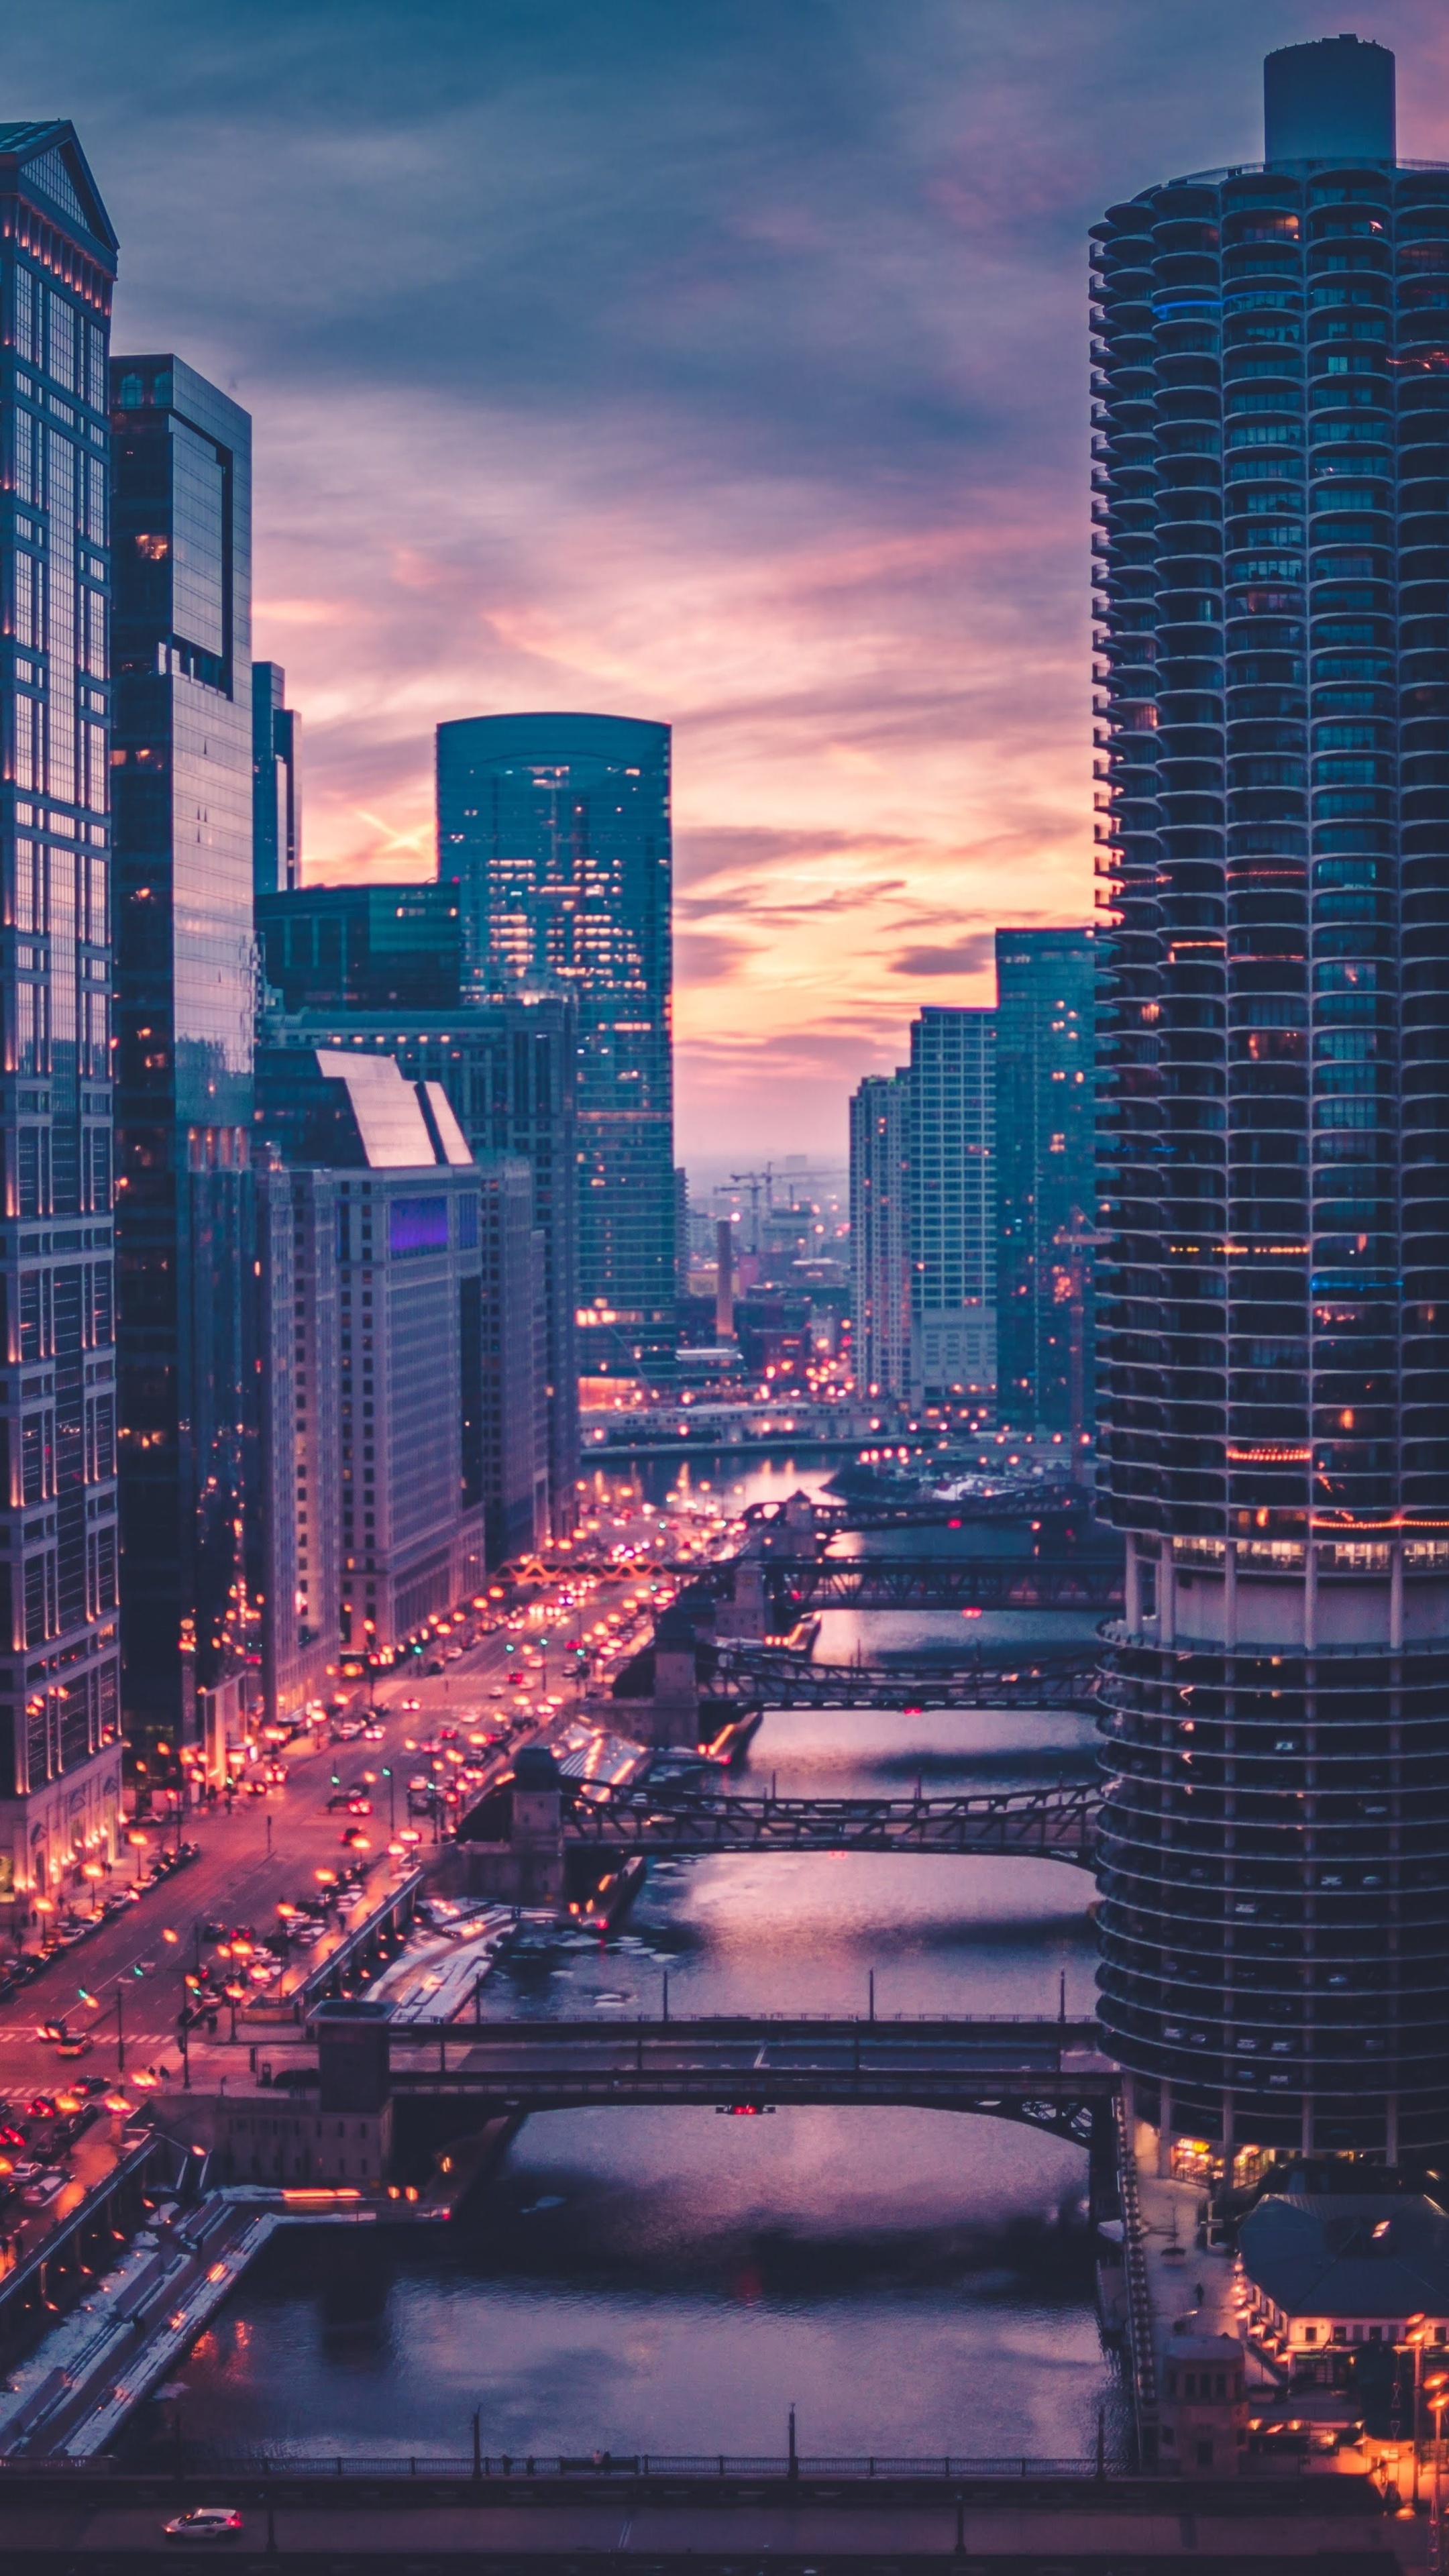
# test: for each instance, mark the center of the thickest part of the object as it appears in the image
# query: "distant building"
(362, 947)
(276, 784)
(410, 1329)
(60, 1764)
(1045, 1177)
(880, 1233)
(952, 1141)
(509, 1070)
(556, 831)
(181, 774)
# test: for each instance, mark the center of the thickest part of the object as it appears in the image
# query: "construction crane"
(753, 1181)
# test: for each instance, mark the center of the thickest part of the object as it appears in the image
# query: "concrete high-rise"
(880, 1237)
(557, 831)
(1272, 461)
(952, 1203)
(509, 1069)
(60, 1766)
(1046, 1188)
(181, 771)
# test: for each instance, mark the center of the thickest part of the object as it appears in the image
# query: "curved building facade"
(1272, 501)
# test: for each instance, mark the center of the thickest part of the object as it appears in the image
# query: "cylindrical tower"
(1272, 497)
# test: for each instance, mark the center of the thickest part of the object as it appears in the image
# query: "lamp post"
(1438, 2393)
(1414, 2333)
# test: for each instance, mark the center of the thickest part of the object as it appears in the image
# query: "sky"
(716, 361)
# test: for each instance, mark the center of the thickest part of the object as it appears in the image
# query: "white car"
(206, 2522)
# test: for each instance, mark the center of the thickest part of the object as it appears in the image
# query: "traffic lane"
(618, 2524)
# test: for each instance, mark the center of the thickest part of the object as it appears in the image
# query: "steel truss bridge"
(766, 1680)
(1043, 1824)
(1049, 2074)
(946, 1583)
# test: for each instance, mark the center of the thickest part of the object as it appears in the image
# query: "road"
(265, 1853)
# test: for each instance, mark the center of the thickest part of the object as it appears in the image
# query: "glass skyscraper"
(276, 783)
(556, 829)
(1272, 499)
(59, 1701)
(880, 1233)
(951, 1143)
(186, 986)
(1046, 1189)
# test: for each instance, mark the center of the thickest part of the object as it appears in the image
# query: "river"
(913, 2282)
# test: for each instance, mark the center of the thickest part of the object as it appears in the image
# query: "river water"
(673, 2281)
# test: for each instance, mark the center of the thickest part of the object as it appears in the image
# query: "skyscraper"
(952, 1197)
(880, 1239)
(1272, 453)
(276, 783)
(410, 1332)
(59, 1698)
(186, 985)
(363, 947)
(1046, 1188)
(509, 1069)
(556, 828)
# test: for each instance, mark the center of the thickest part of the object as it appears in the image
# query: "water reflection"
(673, 2280)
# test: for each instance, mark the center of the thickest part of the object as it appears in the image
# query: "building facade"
(556, 829)
(880, 1234)
(362, 947)
(1046, 1183)
(181, 770)
(409, 1330)
(60, 1766)
(509, 1069)
(295, 1550)
(1272, 449)
(952, 1200)
(276, 783)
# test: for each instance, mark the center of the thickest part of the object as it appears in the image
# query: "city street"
(124, 1985)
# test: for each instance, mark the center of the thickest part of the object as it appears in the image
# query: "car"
(75, 2044)
(352, 1837)
(339, 1798)
(43, 2190)
(372, 1735)
(205, 2522)
(50, 2030)
(346, 1730)
(359, 1806)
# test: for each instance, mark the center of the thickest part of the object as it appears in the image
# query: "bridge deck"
(762, 1679)
(1049, 2072)
(1050, 1824)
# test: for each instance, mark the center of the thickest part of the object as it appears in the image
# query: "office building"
(509, 1070)
(1046, 1187)
(181, 772)
(276, 784)
(556, 830)
(952, 1196)
(880, 1234)
(362, 947)
(1272, 452)
(514, 1362)
(410, 1330)
(295, 1539)
(59, 1690)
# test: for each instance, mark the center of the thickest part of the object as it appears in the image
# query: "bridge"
(773, 1680)
(1049, 2074)
(1043, 1824)
(947, 1583)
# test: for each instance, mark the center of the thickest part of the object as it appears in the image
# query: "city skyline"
(898, 516)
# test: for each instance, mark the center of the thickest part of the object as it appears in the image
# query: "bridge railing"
(251, 2467)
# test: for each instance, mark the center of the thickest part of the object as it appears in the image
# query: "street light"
(1437, 2391)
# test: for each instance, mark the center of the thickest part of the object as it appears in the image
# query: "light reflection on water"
(673, 2280)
